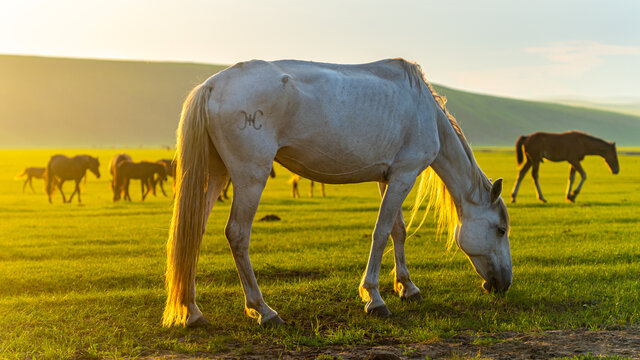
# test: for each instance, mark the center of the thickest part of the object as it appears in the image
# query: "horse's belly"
(328, 168)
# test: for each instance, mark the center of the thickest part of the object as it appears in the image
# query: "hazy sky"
(527, 49)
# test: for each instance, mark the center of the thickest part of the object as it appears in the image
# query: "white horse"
(333, 124)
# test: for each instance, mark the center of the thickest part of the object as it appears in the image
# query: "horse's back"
(329, 122)
(556, 146)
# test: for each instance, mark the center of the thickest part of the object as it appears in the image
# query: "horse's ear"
(496, 190)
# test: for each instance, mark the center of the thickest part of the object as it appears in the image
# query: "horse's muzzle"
(499, 281)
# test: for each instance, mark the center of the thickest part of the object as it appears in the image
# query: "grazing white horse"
(333, 124)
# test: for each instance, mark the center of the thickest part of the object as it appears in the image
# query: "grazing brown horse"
(31, 173)
(144, 171)
(61, 168)
(570, 146)
(114, 164)
(295, 179)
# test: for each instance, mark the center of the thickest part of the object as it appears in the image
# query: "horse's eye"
(501, 230)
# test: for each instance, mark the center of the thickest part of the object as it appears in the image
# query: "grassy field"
(87, 281)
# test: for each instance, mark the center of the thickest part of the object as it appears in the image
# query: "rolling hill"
(63, 103)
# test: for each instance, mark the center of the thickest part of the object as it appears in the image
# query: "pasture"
(88, 281)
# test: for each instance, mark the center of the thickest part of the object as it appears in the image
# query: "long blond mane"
(431, 185)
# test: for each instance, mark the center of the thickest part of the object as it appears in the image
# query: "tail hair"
(188, 222)
(519, 151)
(23, 173)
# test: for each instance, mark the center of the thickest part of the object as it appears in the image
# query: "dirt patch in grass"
(510, 345)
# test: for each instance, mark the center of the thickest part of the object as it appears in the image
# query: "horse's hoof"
(272, 321)
(199, 322)
(417, 297)
(380, 311)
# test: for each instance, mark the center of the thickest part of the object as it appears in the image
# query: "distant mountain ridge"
(59, 102)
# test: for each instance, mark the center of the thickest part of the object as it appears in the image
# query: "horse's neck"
(594, 146)
(454, 167)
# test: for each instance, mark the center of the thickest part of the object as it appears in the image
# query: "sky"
(583, 49)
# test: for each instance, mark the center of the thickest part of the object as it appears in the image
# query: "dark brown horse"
(570, 146)
(31, 173)
(144, 171)
(61, 168)
(114, 163)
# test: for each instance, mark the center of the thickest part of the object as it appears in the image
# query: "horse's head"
(162, 173)
(94, 166)
(484, 238)
(610, 156)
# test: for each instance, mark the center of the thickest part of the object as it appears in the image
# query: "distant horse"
(333, 124)
(295, 193)
(114, 164)
(170, 170)
(144, 171)
(61, 168)
(571, 146)
(31, 173)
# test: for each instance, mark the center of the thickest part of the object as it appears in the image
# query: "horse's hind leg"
(402, 284)
(521, 174)
(64, 199)
(217, 179)
(583, 175)
(397, 191)
(534, 174)
(246, 196)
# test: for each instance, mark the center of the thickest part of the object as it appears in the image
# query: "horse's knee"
(235, 236)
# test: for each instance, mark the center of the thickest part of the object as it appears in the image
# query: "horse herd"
(123, 169)
(531, 150)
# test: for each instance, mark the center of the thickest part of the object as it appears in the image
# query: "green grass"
(87, 281)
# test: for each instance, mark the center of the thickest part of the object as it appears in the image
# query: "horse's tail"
(519, 152)
(188, 223)
(23, 173)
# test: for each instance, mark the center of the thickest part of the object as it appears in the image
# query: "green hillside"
(52, 102)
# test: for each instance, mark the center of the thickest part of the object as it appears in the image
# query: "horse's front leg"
(396, 192)
(144, 194)
(402, 283)
(161, 187)
(77, 189)
(583, 176)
